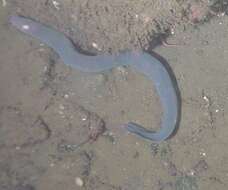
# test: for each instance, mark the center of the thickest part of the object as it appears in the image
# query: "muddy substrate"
(107, 25)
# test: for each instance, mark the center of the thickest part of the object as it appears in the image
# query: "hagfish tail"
(140, 61)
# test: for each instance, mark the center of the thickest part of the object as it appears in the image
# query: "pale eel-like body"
(139, 61)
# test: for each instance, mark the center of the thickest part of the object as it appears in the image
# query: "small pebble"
(221, 14)
(84, 118)
(66, 96)
(61, 107)
(56, 4)
(18, 147)
(96, 46)
(45, 68)
(172, 31)
(25, 27)
(79, 182)
(203, 153)
(206, 98)
(61, 113)
(192, 173)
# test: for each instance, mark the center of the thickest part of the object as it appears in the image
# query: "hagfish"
(140, 61)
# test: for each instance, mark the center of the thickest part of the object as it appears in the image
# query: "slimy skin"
(139, 61)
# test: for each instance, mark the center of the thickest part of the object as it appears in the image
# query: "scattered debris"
(65, 147)
(95, 124)
(217, 180)
(79, 182)
(39, 123)
(109, 136)
(198, 12)
(49, 75)
(96, 182)
(154, 148)
(208, 106)
(219, 8)
(172, 170)
(56, 4)
(200, 167)
(165, 152)
(206, 99)
(136, 154)
(3, 3)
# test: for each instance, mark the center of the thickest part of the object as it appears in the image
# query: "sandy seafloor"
(45, 106)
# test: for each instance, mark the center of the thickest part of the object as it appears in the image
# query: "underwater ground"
(48, 108)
